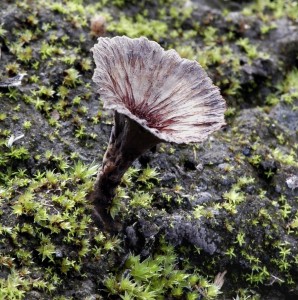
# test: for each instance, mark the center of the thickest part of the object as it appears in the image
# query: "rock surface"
(229, 203)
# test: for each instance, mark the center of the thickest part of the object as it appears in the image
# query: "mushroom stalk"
(128, 141)
(156, 96)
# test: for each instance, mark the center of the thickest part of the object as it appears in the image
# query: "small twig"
(13, 81)
(12, 139)
(219, 279)
(274, 279)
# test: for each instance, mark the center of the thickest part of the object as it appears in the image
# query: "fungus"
(156, 97)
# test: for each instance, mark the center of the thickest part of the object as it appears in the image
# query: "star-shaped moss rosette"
(157, 96)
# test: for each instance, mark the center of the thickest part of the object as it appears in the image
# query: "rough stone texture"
(258, 142)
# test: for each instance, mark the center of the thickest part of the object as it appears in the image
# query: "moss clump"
(277, 9)
(159, 277)
(153, 29)
(234, 185)
(46, 227)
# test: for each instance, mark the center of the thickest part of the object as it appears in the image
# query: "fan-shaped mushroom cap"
(171, 97)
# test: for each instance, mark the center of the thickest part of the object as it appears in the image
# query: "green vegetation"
(53, 220)
(47, 236)
(155, 278)
(277, 9)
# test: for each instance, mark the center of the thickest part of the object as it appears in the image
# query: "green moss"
(153, 29)
(251, 50)
(277, 9)
(3, 116)
(43, 203)
(158, 277)
(15, 285)
(61, 221)
(287, 159)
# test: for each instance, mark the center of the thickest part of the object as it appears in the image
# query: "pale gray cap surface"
(171, 97)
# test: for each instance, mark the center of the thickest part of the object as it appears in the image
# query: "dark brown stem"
(128, 141)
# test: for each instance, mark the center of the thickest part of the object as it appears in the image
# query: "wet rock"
(203, 197)
(263, 210)
(262, 68)
(86, 289)
(292, 182)
(214, 157)
(132, 236)
(201, 186)
(168, 178)
(148, 228)
(33, 295)
(184, 231)
(284, 41)
(287, 118)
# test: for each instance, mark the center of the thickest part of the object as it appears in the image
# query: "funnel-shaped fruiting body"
(156, 96)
